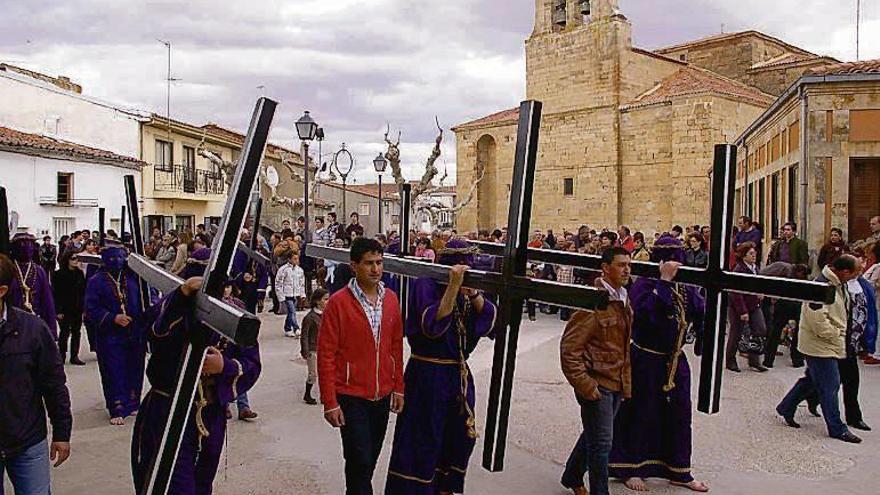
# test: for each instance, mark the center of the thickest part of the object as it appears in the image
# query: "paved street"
(290, 450)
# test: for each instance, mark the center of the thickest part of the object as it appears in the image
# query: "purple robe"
(432, 445)
(202, 443)
(652, 430)
(121, 350)
(39, 298)
(250, 291)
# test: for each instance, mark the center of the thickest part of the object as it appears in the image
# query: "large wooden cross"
(228, 321)
(4, 222)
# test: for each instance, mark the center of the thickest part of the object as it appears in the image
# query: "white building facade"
(55, 188)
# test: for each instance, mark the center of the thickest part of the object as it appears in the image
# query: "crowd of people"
(351, 339)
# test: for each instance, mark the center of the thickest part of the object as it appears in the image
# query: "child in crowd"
(309, 341)
(290, 284)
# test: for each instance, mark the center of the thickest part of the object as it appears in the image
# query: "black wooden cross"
(4, 222)
(715, 279)
(233, 324)
(102, 232)
(512, 286)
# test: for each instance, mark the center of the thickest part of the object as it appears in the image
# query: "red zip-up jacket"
(349, 360)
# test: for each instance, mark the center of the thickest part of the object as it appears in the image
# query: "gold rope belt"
(649, 351)
(426, 359)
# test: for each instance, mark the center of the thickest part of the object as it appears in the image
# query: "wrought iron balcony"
(185, 179)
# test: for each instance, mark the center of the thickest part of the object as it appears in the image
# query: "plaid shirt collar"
(373, 313)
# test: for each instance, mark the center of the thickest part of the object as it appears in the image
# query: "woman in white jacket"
(290, 284)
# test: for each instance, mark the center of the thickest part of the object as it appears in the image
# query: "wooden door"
(864, 196)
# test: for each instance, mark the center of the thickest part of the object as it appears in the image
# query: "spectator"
(872, 275)
(789, 248)
(744, 311)
(607, 240)
(48, 255)
(696, 253)
(354, 229)
(676, 231)
(423, 249)
(833, 249)
(640, 251)
(822, 340)
(290, 285)
(309, 342)
(69, 291)
(32, 385)
(749, 232)
(550, 239)
(875, 229)
(626, 240)
(167, 252)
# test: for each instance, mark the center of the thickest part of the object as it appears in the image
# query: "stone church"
(627, 134)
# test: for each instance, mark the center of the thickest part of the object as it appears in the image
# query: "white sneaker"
(290, 334)
(297, 333)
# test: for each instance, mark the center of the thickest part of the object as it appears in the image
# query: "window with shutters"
(792, 193)
(864, 196)
(65, 188)
(774, 204)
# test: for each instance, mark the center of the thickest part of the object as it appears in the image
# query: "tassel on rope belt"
(464, 371)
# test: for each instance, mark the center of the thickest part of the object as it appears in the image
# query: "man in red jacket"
(360, 364)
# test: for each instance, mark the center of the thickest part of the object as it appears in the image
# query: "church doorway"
(864, 196)
(486, 200)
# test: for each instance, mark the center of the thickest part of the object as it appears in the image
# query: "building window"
(65, 188)
(774, 204)
(792, 192)
(568, 186)
(189, 157)
(164, 155)
(762, 206)
(683, 57)
(364, 209)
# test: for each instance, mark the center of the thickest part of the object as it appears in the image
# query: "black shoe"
(814, 410)
(859, 425)
(768, 364)
(77, 361)
(789, 420)
(758, 368)
(734, 369)
(848, 437)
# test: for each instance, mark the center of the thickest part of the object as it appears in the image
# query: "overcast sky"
(359, 64)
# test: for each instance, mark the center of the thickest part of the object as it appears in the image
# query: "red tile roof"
(34, 144)
(237, 137)
(505, 116)
(730, 36)
(862, 67)
(692, 81)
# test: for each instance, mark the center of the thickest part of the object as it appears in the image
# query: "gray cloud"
(356, 65)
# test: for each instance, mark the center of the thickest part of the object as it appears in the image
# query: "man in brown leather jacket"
(595, 359)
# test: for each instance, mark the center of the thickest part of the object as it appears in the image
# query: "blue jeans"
(28, 471)
(290, 323)
(593, 448)
(242, 402)
(822, 376)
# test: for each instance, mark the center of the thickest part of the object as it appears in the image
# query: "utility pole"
(168, 81)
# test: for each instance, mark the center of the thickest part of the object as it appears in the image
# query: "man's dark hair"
(609, 235)
(838, 230)
(625, 229)
(47, 238)
(200, 226)
(677, 228)
(319, 219)
(354, 214)
(638, 236)
(7, 270)
(363, 245)
(875, 250)
(317, 295)
(497, 233)
(746, 219)
(332, 215)
(845, 262)
(790, 224)
(610, 253)
(301, 219)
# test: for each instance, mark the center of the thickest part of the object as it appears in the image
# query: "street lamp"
(307, 129)
(343, 171)
(380, 163)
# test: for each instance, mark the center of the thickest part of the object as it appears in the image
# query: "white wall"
(33, 106)
(28, 178)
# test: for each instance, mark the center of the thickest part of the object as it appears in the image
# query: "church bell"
(585, 7)
(559, 16)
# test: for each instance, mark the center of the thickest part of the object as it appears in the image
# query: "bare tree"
(423, 190)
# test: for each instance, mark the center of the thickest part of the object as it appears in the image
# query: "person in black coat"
(69, 288)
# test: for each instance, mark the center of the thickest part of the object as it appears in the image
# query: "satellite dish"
(271, 176)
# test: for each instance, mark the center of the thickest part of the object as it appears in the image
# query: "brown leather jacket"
(595, 350)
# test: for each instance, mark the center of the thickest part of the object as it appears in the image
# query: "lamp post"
(380, 163)
(307, 129)
(343, 172)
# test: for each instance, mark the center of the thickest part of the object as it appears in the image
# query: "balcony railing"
(70, 202)
(188, 180)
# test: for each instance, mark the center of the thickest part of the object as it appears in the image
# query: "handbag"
(749, 343)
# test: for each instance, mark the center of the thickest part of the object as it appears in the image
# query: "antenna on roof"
(168, 81)
(858, 26)
(722, 28)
